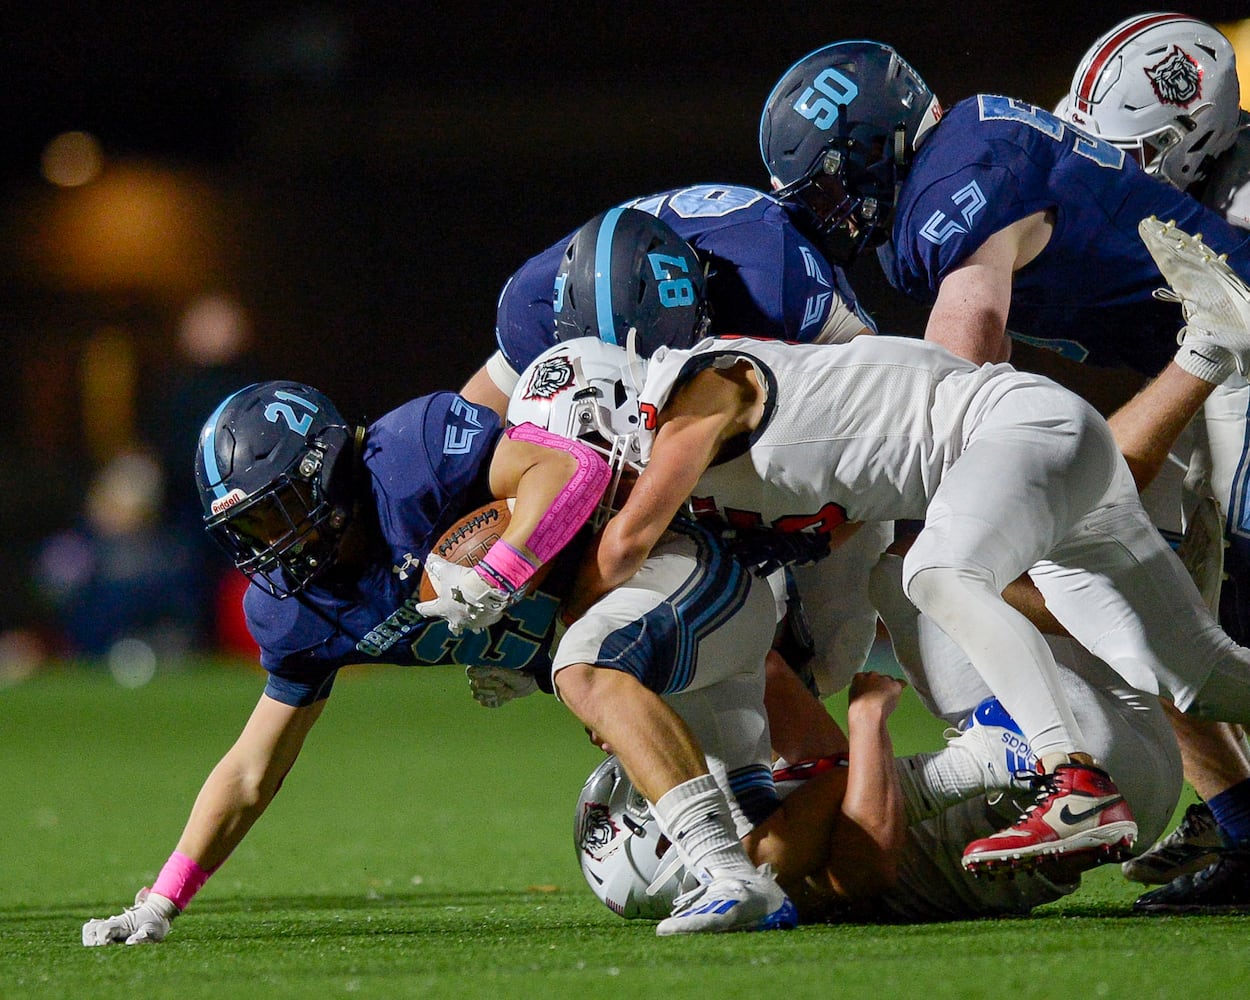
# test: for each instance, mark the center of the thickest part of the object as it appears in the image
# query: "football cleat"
(1214, 300)
(1193, 845)
(1079, 815)
(1221, 887)
(1002, 761)
(731, 903)
(993, 736)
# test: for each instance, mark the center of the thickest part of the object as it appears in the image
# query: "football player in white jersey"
(1164, 87)
(816, 439)
(867, 836)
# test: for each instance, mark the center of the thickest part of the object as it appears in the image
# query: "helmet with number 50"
(838, 133)
(625, 857)
(275, 467)
(1163, 87)
(624, 271)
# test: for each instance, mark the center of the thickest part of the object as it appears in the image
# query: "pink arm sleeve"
(575, 502)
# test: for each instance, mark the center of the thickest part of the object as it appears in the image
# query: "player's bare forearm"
(654, 500)
(239, 789)
(969, 316)
(797, 838)
(871, 830)
(1147, 426)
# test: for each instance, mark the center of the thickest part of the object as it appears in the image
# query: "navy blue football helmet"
(838, 133)
(626, 270)
(275, 467)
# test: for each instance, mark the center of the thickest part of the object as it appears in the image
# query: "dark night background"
(374, 172)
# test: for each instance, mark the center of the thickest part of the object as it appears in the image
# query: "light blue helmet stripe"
(603, 276)
(208, 449)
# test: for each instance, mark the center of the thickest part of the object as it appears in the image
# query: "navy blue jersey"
(427, 464)
(992, 161)
(766, 278)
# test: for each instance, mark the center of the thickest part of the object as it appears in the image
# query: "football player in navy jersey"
(672, 268)
(758, 269)
(1012, 223)
(334, 523)
(1163, 87)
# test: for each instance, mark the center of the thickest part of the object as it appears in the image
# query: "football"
(468, 540)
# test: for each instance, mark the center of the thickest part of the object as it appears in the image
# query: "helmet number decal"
(836, 91)
(674, 292)
(281, 411)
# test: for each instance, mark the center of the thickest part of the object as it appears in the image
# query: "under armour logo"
(402, 569)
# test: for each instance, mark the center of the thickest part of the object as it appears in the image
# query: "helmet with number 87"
(275, 471)
(625, 270)
(838, 134)
(625, 857)
(1163, 87)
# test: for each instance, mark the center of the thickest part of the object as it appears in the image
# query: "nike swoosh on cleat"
(1071, 818)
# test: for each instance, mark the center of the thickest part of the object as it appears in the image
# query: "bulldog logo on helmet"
(597, 830)
(550, 378)
(1177, 79)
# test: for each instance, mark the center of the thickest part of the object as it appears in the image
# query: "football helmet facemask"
(275, 471)
(838, 134)
(626, 270)
(625, 857)
(1162, 87)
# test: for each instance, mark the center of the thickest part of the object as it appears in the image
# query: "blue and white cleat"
(1000, 742)
(732, 903)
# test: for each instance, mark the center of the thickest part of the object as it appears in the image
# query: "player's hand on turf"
(465, 600)
(492, 686)
(147, 921)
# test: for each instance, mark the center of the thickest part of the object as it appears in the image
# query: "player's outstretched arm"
(701, 416)
(233, 797)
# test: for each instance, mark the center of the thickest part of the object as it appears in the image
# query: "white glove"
(148, 920)
(492, 686)
(465, 600)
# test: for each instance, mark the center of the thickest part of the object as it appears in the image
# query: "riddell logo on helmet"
(1176, 79)
(233, 498)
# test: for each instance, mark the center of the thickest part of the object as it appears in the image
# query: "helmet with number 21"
(275, 471)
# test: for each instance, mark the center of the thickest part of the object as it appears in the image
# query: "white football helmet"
(1164, 88)
(627, 860)
(586, 390)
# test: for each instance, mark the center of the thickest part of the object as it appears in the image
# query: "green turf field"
(422, 848)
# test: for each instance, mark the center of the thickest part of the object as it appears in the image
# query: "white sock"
(698, 820)
(934, 781)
